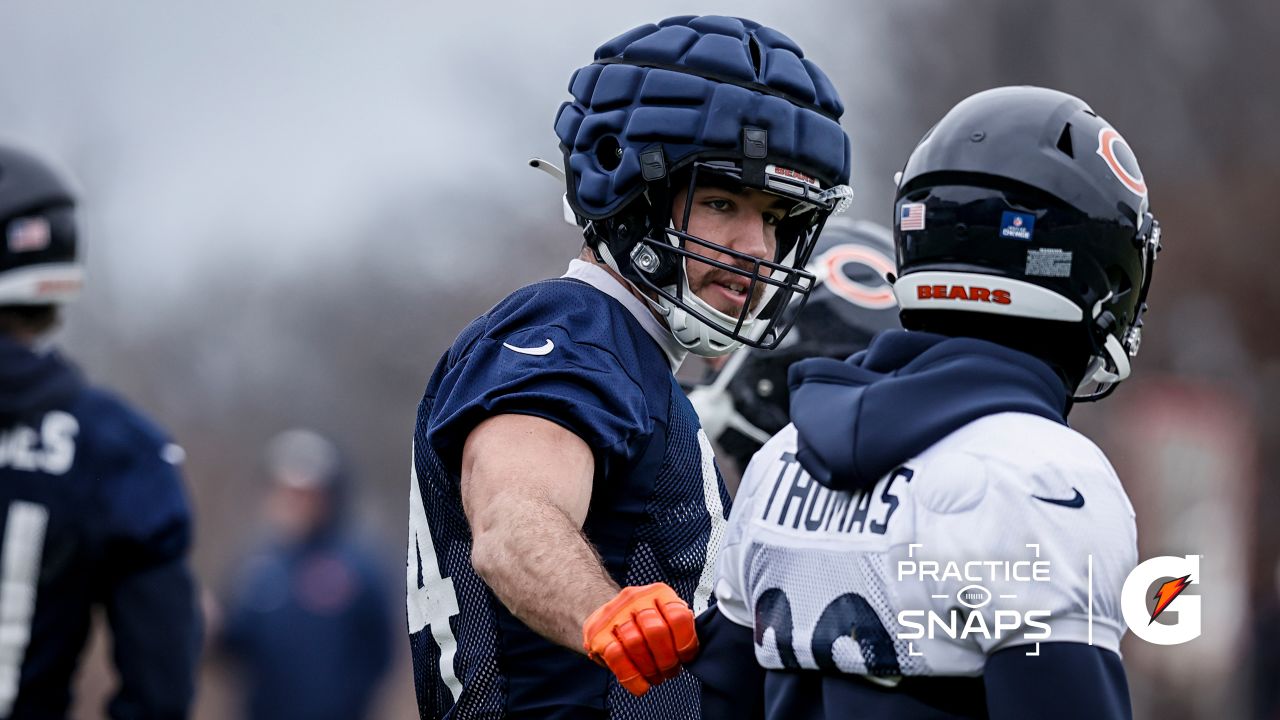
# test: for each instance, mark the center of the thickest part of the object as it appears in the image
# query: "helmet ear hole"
(1064, 141)
(608, 153)
(753, 46)
(1123, 293)
(1119, 282)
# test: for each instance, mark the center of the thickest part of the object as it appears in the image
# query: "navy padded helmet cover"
(692, 84)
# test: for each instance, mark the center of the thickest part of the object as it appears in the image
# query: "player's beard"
(712, 288)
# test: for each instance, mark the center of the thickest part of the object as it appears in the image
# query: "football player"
(929, 538)
(309, 623)
(92, 504)
(565, 506)
(746, 402)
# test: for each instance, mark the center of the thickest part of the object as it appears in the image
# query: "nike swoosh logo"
(543, 350)
(1071, 502)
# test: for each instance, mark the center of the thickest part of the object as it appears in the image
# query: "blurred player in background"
(746, 402)
(92, 505)
(1025, 250)
(311, 623)
(565, 506)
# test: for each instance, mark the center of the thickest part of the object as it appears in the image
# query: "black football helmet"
(37, 232)
(747, 401)
(1024, 212)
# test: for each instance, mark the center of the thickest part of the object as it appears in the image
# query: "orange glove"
(642, 635)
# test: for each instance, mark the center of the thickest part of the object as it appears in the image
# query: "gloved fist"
(642, 635)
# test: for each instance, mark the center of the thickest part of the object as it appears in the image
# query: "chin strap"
(1113, 365)
(1117, 357)
(653, 262)
(1110, 364)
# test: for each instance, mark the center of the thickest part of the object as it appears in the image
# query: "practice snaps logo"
(976, 610)
(1173, 618)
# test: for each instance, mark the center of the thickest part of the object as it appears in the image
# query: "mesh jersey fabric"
(657, 500)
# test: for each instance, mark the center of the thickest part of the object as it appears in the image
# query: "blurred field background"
(289, 210)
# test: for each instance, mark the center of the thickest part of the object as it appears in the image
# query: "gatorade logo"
(1153, 603)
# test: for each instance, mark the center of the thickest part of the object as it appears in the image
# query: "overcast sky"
(240, 143)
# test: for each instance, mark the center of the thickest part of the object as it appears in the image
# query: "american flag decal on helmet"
(911, 217)
(29, 234)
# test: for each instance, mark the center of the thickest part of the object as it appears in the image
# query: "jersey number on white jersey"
(848, 616)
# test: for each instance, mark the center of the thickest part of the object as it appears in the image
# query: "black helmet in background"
(1022, 217)
(37, 232)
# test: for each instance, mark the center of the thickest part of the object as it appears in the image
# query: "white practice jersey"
(1012, 530)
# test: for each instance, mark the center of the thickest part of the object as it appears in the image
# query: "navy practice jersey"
(92, 512)
(568, 352)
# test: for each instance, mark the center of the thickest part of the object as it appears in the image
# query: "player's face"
(297, 512)
(740, 219)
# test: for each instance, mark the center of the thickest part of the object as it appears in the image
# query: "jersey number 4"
(24, 531)
(434, 601)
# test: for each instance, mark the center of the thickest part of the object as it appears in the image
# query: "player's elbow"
(490, 553)
(486, 556)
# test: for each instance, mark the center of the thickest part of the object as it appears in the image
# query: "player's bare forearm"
(526, 487)
(541, 567)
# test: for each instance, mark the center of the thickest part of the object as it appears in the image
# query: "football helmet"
(694, 100)
(303, 459)
(37, 232)
(1024, 212)
(748, 400)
